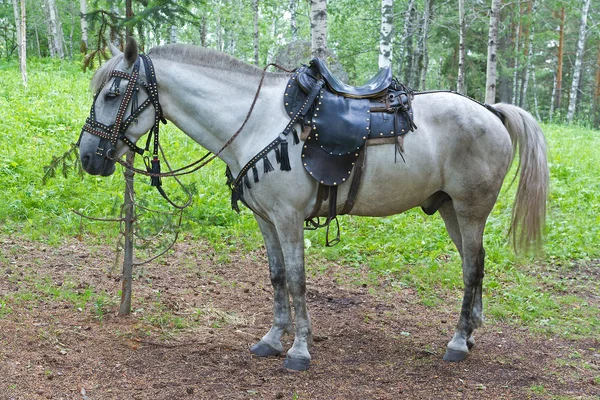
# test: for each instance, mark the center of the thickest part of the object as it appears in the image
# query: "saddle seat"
(375, 87)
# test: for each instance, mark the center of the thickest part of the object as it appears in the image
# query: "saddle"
(338, 119)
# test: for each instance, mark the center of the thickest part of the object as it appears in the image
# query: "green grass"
(412, 249)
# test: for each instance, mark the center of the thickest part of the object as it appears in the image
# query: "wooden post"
(129, 206)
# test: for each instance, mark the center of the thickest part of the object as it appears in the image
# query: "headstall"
(115, 132)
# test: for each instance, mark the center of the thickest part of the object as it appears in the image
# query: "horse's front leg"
(270, 344)
(291, 236)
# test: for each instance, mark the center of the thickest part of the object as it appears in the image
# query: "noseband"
(115, 132)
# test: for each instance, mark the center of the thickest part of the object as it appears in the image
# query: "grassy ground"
(412, 249)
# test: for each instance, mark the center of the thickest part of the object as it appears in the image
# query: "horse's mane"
(183, 53)
(103, 73)
(195, 55)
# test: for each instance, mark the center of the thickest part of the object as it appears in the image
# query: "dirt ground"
(197, 313)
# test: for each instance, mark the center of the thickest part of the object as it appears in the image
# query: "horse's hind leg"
(448, 214)
(471, 225)
(270, 344)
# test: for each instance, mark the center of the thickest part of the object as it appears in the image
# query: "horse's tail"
(529, 208)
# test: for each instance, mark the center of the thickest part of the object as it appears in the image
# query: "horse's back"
(459, 147)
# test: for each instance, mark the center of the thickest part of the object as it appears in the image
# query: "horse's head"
(125, 87)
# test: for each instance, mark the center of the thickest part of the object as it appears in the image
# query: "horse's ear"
(114, 50)
(131, 52)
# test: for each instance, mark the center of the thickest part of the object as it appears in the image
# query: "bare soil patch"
(197, 314)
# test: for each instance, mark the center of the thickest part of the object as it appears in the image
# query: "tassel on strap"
(267, 166)
(285, 159)
(255, 173)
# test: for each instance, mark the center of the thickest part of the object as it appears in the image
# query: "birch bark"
(460, 81)
(318, 25)
(21, 37)
(255, 36)
(578, 62)
(55, 29)
(528, 63)
(84, 26)
(491, 71)
(425, 53)
(402, 45)
(386, 33)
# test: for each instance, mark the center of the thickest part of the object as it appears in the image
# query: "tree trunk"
(255, 40)
(425, 62)
(21, 37)
(403, 43)
(491, 71)
(293, 19)
(578, 62)
(529, 54)
(515, 88)
(318, 25)
(173, 34)
(128, 17)
(597, 93)
(56, 29)
(386, 33)
(84, 26)
(460, 81)
(203, 32)
(129, 207)
(553, 98)
(560, 56)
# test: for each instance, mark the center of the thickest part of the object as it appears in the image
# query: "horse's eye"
(112, 94)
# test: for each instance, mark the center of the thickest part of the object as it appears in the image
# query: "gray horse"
(456, 162)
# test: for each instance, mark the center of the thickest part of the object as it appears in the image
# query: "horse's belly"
(390, 185)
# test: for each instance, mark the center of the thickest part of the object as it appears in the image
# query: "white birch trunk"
(491, 76)
(173, 34)
(460, 81)
(516, 66)
(578, 62)
(425, 62)
(528, 66)
(255, 39)
(386, 33)
(293, 19)
(402, 48)
(55, 29)
(318, 25)
(21, 37)
(84, 25)
(552, 100)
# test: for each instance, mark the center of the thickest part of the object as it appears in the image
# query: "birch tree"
(293, 19)
(491, 70)
(21, 37)
(255, 30)
(385, 33)
(402, 43)
(423, 43)
(84, 26)
(318, 28)
(578, 61)
(55, 28)
(529, 53)
(559, 58)
(460, 81)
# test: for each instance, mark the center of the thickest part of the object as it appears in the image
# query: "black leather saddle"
(338, 119)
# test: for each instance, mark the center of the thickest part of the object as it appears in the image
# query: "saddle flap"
(325, 168)
(340, 125)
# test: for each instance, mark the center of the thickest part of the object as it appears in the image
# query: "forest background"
(546, 54)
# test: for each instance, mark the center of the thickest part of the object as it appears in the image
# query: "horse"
(455, 164)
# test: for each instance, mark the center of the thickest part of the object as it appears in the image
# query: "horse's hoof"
(262, 349)
(296, 364)
(455, 355)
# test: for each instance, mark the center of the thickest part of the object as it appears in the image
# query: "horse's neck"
(210, 105)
